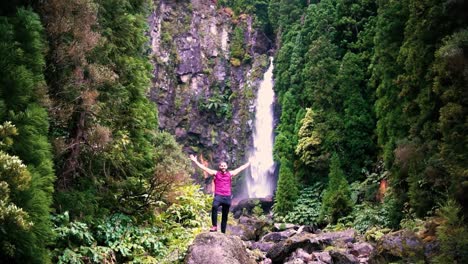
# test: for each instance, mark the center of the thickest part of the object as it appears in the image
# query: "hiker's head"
(223, 166)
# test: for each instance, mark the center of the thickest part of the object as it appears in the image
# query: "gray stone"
(262, 246)
(244, 232)
(302, 255)
(361, 249)
(342, 257)
(215, 248)
(306, 241)
(323, 257)
(278, 236)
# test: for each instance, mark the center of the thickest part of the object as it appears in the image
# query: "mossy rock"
(402, 245)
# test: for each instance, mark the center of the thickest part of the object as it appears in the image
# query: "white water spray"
(260, 183)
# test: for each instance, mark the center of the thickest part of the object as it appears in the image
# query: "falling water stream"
(261, 183)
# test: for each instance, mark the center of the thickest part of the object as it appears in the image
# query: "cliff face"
(204, 93)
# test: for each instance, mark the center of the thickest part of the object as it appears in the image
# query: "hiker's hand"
(193, 158)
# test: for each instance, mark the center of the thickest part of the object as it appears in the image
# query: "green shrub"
(119, 238)
(115, 239)
(452, 235)
(306, 210)
(190, 207)
(366, 216)
(257, 209)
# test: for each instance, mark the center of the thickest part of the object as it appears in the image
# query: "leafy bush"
(452, 235)
(366, 216)
(257, 209)
(120, 238)
(116, 239)
(368, 189)
(218, 104)
(306, 210)
(190, 208)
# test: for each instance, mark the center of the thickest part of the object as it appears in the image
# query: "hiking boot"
(213, 229)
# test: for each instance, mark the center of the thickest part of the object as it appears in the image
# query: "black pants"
(225, 202)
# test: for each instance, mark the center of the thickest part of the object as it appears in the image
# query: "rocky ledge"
(257, 240)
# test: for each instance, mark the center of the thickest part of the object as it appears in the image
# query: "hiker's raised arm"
(201, 166)
(241, 168)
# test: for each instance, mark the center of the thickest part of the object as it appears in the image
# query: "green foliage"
(358, 144)
(189, 208)
(367, 190)
(23, 100)
(284, 13)
(287, 190)
(388, 38)
(306, 210)
(375, 233)
(310, 140)
(349, 75)
(336, 200)
(117, 238)
(286, 140)
(366, 216)
(237, 46)
(218, 105)
(107, 139)
(452, 235)
(14, 178)
(120, 238)
(257, 8)
(381, 84)
(450, 65)
(257, 210)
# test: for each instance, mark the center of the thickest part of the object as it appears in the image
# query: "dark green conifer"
(23, 99)
(287, 190)
(336, 200)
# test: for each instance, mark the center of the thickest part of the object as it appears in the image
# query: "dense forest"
(373, 117)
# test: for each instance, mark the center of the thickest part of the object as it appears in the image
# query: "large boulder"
(396, 246)
(342, 257)
(215, 248)
(252, 228)
(246, 233)
(262, 246)
(345, 236)
(309, 243)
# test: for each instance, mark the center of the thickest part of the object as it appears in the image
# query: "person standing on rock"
(222, 182)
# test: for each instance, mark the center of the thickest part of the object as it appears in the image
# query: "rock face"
(215, 248)
(203, 98)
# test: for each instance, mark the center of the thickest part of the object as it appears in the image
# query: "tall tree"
(287, 190)
(23, 101)
(358, 144)
(71, 30)
(336, 200)
(450, 82)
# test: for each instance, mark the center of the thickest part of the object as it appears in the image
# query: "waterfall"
(260, 183)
